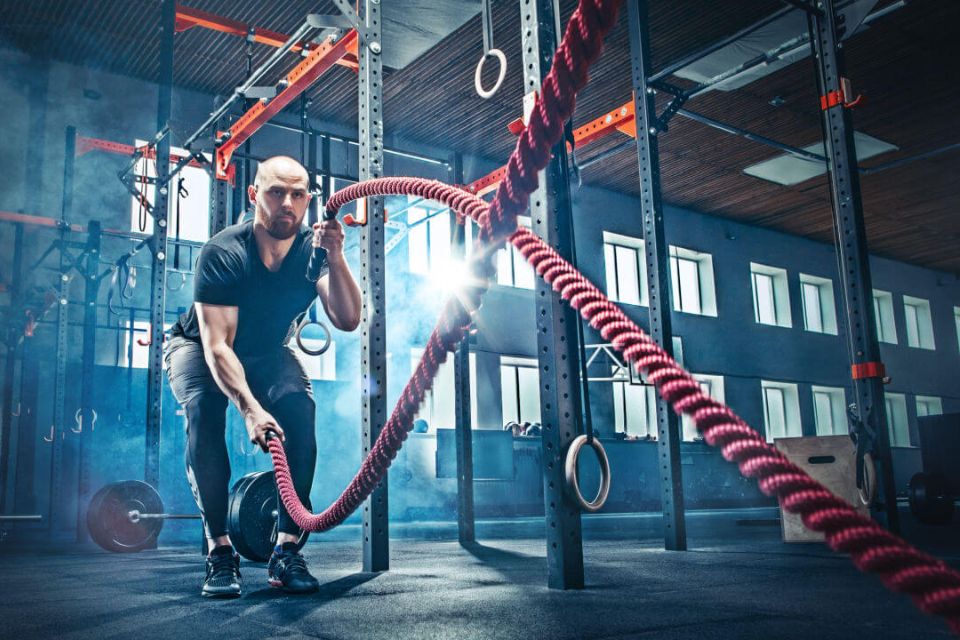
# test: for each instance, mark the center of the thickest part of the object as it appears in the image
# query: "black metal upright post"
(12, 338)
(466, 529)
(658, 273)
(376, 547)
(57, 509)
(854, 259)
(91, 286)
(221, 201)
(158, 246)
(560, 404)
(313, 214)
(326, 186)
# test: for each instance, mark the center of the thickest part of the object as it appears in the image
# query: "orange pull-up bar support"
(188, 18)
(317, 62)
(620, 119)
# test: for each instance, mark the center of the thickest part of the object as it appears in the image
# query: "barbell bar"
(127, 516)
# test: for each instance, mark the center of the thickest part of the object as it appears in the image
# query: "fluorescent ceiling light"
(788, 169)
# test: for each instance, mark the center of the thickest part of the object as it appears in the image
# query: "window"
(781, 410)
(929, 406)
(919, 324)
(771, 297)
(194, 219)
(513, 270)
(520, 389)
(956, 321)
(897, 419)
(635, 409)
(713, 387)
(819, 310)
(428, 236)
(830, 411)
(439, 405)
(691, 277)
(134, 348)
(625, 269)
(883, 316)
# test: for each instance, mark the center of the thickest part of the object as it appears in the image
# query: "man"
(249, 286)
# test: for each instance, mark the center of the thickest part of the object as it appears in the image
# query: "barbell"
(128, 516)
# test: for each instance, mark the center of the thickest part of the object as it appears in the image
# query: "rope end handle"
(316, 258)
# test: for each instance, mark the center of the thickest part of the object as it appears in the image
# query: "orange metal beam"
(187, 18)
(317, 62)
(86, 145)
(620, 119)
(41, 221)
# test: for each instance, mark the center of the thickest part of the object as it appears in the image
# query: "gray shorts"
(270, 377)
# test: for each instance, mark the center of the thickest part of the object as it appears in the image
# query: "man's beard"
(282, 227)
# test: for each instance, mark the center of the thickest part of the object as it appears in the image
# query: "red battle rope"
(934, 586)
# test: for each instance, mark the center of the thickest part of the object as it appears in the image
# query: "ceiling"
(906, 64)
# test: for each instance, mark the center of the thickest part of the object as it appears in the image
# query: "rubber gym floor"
(738, 580)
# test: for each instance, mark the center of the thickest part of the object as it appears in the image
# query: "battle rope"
(934, 587)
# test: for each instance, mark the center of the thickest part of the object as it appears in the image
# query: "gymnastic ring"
(326, 344)
(868, 492)
(183, 280)
(502, 59)
(570, 472)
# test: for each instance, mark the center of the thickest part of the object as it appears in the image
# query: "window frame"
(839, 423)
(825, 301)
(515, 364)
(635, 245)
(148, 167)
(511, 257)
(896, 409)
(922, 337)
(706, 294)
(788, 391)
(779, 295)
(883, 317)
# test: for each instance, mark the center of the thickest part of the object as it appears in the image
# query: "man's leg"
(207, 459)
(208, 462)
(296, 413)
(291, 403)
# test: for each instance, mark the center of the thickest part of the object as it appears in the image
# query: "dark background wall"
(39, 100)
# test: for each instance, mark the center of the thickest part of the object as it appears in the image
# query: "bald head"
(280, 192)
(280, 166)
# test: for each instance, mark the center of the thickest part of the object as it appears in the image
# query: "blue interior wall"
(732, 344)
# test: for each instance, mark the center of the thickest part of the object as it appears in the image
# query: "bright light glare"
(453, 278)
(449, 276)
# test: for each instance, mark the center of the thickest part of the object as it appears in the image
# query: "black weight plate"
(108, 519)
(251, 518)
(929, 501)
(234, 529)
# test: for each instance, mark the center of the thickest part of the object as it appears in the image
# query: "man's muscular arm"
(218, 328)
(337, 289)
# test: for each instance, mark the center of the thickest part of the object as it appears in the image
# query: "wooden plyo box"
(831, 461)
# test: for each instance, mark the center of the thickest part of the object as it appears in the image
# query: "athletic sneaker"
(223, 574)
(288, 570)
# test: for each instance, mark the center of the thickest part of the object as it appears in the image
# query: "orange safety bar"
(297, 81)
(86, 145)
(620, 119)
(187, 18)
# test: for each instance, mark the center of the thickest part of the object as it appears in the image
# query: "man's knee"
(298, 407)
(296, 413)
(205, 409)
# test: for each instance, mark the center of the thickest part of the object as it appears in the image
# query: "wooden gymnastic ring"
(570, 473)
(477, 81)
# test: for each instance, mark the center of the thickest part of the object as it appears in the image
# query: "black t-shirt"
(231, 273)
